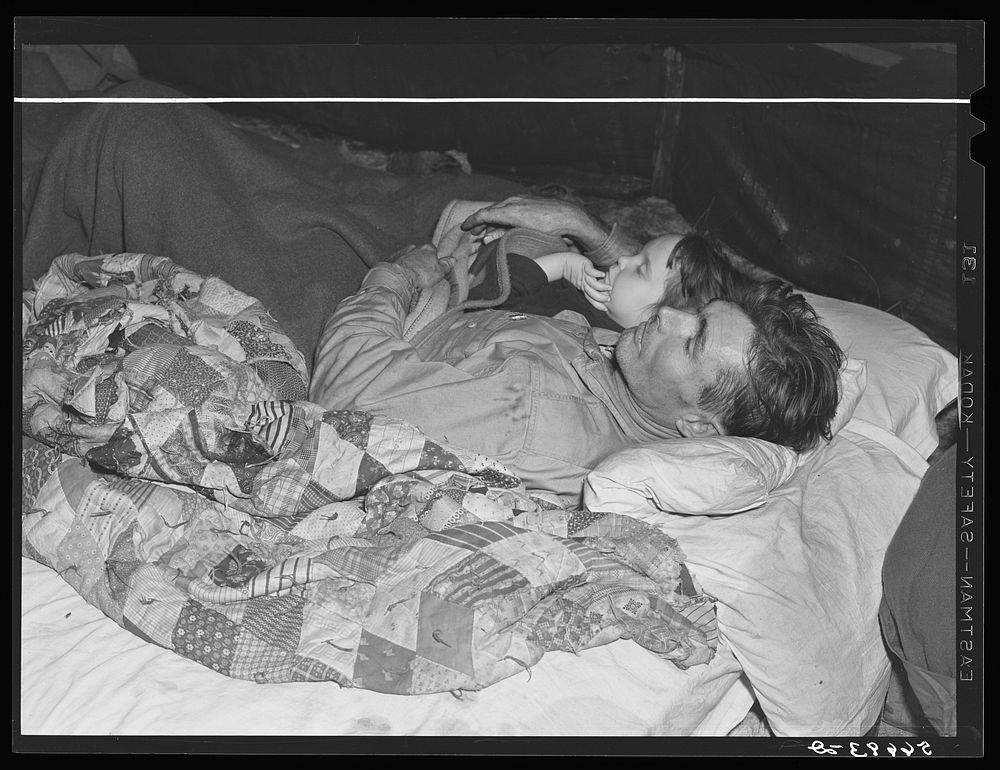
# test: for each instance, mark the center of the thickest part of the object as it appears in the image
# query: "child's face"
(638, 282)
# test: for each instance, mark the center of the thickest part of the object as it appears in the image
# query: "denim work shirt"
(537, 394)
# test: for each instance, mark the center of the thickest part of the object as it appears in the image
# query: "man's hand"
(547, 215)
(458, 244)
(421, 263)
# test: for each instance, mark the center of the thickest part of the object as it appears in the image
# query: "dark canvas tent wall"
(852, 199)
(856, 200)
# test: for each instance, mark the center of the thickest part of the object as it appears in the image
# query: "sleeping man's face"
(667, 361)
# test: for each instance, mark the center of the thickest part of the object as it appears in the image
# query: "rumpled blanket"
(297, 229)
(175, 477)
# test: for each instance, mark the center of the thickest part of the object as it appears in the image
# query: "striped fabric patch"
(703, 615)
(475, 537)
(477, 578)
(591, 558)
(282, 577)
(271, 421)
(140, 491)
(57, 325)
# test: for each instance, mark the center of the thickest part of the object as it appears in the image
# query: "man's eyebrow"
(700, 336)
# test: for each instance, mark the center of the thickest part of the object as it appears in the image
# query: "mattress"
(82, 674)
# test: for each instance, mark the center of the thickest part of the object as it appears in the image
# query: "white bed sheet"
(797, 583)
(82, 674)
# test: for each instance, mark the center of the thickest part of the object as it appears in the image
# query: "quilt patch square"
(436, 456)
(153, 333)
(38, 463)
(533, 555)
(143, 368)
(350, 426)
(580, 520)
(370, 470)
(315, 496)
(189, 379)
(444, 633)
(283, 379)
(179, 453)
(206, 636)
(382, 665)
(260, 662)
(279, 488)
(256, 342)
(80, 555)
(565, 625)
(237, 568)
(475, 579)
(333, 520)
(306, 669)
(153, 605)
(276, 620)
(122, 563)
(430, 676)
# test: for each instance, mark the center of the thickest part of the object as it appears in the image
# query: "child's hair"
(705, 274)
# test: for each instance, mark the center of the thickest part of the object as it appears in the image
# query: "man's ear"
(699, 426)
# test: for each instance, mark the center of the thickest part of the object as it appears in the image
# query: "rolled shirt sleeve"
(362, 357)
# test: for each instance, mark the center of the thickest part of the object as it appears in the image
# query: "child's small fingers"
(596, 299)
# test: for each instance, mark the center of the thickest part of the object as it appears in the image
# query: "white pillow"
(716, 475)
(798, 584)
(910, 377)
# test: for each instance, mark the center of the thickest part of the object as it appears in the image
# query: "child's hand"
(580, 271)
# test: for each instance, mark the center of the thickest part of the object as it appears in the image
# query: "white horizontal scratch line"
(481, 100)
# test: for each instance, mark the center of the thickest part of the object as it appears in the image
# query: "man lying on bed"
(537, 394)
(544, 397)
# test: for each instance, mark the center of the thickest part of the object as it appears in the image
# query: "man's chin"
(625, 353)
(619, 348)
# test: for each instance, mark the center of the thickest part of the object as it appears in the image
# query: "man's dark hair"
(789, 391)
(705, 273)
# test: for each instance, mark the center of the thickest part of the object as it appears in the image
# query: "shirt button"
(471, 324)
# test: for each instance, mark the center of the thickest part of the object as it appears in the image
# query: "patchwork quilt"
(174, 474)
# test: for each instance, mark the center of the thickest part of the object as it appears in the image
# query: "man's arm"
(362, 357)
(557, 217)
(363, 363)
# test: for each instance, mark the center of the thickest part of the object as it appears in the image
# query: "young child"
(682, 271)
